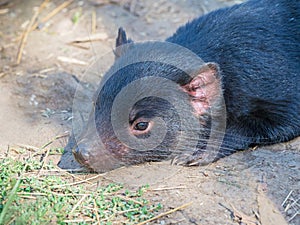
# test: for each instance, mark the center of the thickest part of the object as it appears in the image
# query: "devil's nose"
(81, 154)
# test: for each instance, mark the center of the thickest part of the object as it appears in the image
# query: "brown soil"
(36, 101)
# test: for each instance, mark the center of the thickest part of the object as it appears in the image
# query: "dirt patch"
(36, 101)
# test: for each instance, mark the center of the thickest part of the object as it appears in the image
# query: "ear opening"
(205, 88)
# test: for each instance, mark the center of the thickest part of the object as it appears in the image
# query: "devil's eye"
(141, 126)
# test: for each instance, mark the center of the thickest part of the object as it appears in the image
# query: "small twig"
(7, 151)
(25, 194)
(166, 213)
(71, 60)
(292, 204)
(28, 30)
(2, 74)
(78, 170)
(241, 217)
(52, 13)
(3, 11)
(94, 24)
(50, 142)
(22, 194)
(296, 214)
(37, 150)
(90, 38)
(32, 27)
(53, 172)
(168, 188)
(44, 161)
(78, 203)
(78, 182)
(287, 197)
(47, 70)
(130, 199)
(96, 212)
(28, 197)
(79, 46)
(29, 147)
(79, 221)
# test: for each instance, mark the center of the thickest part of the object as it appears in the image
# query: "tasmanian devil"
(224, 82)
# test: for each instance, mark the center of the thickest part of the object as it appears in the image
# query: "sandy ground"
(36, 102)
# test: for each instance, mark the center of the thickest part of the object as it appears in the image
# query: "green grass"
(33, 191)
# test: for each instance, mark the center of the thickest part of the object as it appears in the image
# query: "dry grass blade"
(79, 221)
(71, 60)
(12, 195)
(2, 75)
(96, 212)
(28, 30)
(130, 199)
(78, 203)
(79, 182)
(91, 38)
(168, 188)
(243, 218)
(94, 24)
(166, 213)
(29, 147)
(33, 195)
(79, 46)
(52, 13)
(44, 161)
(291, 204)
(3, 11)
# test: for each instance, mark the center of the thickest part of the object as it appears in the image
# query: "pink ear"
(205, 88)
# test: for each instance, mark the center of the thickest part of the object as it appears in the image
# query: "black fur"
(257, 47)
